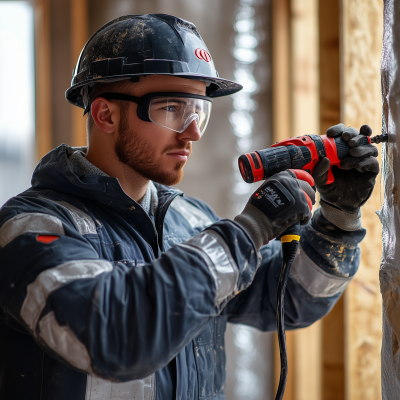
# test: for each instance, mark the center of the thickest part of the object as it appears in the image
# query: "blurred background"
(305, 65)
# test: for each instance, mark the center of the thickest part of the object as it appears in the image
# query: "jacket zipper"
(160, 244)
(160, 224)
(160, 227)
(151, 222)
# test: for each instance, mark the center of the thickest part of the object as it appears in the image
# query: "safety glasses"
(175, 111)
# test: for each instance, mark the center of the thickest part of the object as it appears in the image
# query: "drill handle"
(291, 233)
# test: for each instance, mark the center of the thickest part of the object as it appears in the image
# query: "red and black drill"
(302, 152)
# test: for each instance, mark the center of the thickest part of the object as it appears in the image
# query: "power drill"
(302, 152)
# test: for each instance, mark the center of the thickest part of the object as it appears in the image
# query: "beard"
(138, 154)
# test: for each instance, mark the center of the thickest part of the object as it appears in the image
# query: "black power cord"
(290, 242)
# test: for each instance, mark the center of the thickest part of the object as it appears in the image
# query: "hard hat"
(139, 45)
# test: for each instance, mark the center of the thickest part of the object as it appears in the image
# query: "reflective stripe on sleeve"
(52, 279)
(313, 279)
(83, 221)
(30, 223)
(140, 389)
(63, 341)
(194, 216)
(216, 254)
(59, 338)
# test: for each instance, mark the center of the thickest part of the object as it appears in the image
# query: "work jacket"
(100, 300)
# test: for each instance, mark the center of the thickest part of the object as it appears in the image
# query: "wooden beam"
(290, 390)
(305, 121)
(79, 36)
(332, 346)
(296, 112)
(362, 24)
(304, 67)
(332, 354)
(281, 70)
(307, 363)
(43, 78)
(329, 61)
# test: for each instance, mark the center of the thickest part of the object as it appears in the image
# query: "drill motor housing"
(302, 152)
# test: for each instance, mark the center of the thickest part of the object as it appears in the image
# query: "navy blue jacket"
(99, 300)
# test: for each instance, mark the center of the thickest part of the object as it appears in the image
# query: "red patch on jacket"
(46, 238)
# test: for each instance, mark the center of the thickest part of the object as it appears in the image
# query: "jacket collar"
(54, 172)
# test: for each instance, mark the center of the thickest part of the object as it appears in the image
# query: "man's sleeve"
(327, 259)
(106, 319)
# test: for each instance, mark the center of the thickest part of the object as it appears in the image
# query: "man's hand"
(354, 180)
(278, 203)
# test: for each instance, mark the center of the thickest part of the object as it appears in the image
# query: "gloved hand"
(278, 203)
(354, 180)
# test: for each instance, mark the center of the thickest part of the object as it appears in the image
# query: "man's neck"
(132, 183)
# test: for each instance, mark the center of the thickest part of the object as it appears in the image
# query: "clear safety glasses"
(175, 111)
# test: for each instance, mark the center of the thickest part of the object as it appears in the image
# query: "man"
(114, 285)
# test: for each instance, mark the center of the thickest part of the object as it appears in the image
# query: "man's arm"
(329, 254)
(327, 260)
(109, 320)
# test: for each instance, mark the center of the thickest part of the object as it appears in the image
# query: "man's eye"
(170, 108)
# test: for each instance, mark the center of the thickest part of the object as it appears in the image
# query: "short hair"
(124, 86)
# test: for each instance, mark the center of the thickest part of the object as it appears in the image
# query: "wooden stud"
(290, 390)
(304, 67)
(280, 70)
(332, 354)
(332, 337)
(329, 61)
(43, 78)
(305, 121)
(307, 363)
(362, 24)
(79, 36)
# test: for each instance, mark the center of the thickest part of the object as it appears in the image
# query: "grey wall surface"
(389, 214)
(237, 34)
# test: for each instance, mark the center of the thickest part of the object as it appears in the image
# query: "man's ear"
(105, 115)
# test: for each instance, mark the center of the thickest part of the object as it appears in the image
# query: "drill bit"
(380, 138)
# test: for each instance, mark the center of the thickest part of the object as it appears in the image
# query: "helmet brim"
(218, 86)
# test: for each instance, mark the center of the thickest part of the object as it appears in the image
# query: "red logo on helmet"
(203, 55)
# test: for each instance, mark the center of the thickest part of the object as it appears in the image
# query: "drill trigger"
(330, 178)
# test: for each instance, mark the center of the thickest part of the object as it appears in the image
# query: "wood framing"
(290, 389)
(329, 62)
(43, 78)
(79, 36)
(304, 67)
(281, 70)
(305, 121)
(332, 332)
(332, 354)
(362, 24)
(296, 112)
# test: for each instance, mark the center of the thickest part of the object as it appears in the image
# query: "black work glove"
(278, 203)
(354, 180)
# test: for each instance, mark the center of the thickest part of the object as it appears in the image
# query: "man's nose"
(191, 133)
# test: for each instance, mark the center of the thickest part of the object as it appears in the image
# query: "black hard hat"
(149, 44)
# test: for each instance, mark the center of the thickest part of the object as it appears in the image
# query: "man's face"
(157, 153)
